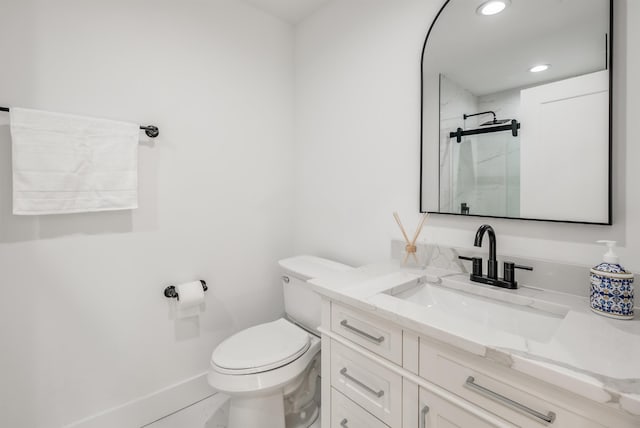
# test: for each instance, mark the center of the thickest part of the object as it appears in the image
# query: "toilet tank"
(301, 304)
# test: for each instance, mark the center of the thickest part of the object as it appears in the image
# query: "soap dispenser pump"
(611, 286)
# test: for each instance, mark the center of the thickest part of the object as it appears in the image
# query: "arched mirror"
(516, 110)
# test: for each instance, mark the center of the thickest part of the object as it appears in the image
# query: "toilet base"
(264, 411)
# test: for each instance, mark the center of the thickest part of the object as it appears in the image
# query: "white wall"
(358, 140)
(357, 125)
(84, 325)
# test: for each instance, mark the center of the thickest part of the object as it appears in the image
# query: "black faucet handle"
(509, 271)
(477, 264)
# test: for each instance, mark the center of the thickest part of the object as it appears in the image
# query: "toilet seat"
(260, 348)
(261, 382)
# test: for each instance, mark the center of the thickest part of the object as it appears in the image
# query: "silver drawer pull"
(370, 390)
(343, 423)
(548, 418)
(364, 334)
(423, 415)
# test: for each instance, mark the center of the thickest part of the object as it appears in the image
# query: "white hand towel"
(69, 164)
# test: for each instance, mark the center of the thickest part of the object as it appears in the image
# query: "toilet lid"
(261, 348)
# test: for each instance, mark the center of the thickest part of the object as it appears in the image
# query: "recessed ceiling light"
(538, 68)
(492, 7)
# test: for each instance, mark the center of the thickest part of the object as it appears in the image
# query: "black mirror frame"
(609, 221)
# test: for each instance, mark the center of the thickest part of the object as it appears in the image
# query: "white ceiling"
(292, 11)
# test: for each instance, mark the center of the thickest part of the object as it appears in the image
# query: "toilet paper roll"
(190, 297)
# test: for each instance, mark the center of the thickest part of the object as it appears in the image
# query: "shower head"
(496, 122)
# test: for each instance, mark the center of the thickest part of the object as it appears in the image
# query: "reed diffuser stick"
(425, 216)
(410, 247)
(397, 217)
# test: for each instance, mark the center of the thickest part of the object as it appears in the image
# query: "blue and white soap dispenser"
(611, 286)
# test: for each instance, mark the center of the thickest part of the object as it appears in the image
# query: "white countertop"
(591, 355)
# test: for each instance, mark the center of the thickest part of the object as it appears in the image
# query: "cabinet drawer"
(436, 412)
(505, 397)
(347, 414)
(372, 386)
(374, 334)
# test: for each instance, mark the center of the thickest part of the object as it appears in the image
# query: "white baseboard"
(144, 410)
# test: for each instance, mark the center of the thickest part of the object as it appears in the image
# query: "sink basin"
(518, 319)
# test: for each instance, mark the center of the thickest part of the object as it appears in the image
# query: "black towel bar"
(151, 130)
(513, 127)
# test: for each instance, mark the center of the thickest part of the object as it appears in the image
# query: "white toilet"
(271, 370)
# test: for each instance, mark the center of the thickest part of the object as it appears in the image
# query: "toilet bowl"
(270, 371)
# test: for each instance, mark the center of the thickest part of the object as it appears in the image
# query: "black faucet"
(492, 263)
(509, 280)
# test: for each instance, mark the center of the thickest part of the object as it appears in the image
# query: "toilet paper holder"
(171, 293)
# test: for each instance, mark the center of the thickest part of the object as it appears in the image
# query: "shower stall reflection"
(484, 175)
(479, 151)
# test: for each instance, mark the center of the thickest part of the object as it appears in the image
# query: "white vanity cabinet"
(377, 374)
